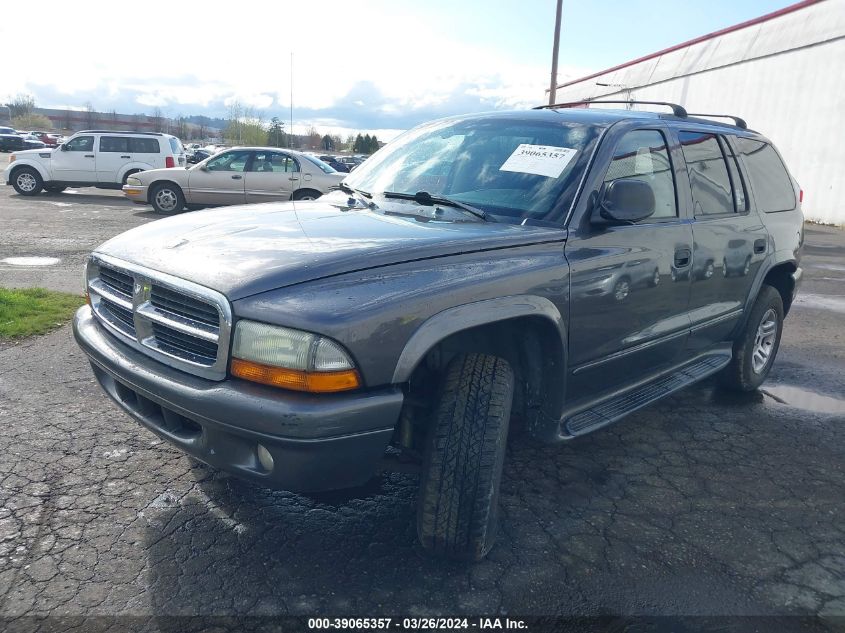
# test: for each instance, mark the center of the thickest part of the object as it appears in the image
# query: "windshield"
(326, 168)
(510, 168)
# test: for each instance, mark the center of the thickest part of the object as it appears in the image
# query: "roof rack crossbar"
(677, 110)
(740, 123)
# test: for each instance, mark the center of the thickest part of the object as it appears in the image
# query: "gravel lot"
(703, 504)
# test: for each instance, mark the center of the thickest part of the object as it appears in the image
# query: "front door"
(629, 283)
(75, 161)
(220, 180)
(272, 176)
(729, 240)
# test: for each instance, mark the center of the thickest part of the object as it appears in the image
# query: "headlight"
(133, 181)
(292, 359)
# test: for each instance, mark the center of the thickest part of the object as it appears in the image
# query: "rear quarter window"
(176, 145)
(144, 145)
(770, 182)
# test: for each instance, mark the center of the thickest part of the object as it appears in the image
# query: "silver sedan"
(240, 175)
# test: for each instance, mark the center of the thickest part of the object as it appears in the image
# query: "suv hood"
(241, 251)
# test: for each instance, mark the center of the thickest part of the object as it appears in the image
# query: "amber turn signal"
(313, 382)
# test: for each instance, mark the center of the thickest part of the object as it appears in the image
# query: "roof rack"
(677, 110)
(740, 123)
(118, 132)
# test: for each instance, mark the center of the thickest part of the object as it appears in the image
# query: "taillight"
(169, 162)
(800, 195)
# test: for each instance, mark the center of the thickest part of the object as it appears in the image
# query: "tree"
(89, 115)
(276, 133)
(373, 145)
(358, 145)
(327, 143)
(21, 105)
(313, 138)
(32, 122)
(350, 143)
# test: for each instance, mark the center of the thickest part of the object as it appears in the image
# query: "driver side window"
(229, 161)
(643, 155)
(81, 144)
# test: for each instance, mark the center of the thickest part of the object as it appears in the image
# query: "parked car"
(351, 161)
(334, 163)
(10, 140)
(308, 347)
(198, 155)
(236, 176)
(49, 139)
(93, 158)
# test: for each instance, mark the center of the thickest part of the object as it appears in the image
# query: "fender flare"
(131, 167)
(42, 171)
(469, 315)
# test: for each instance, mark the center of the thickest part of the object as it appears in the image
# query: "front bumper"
(136, 193)
(318, 442)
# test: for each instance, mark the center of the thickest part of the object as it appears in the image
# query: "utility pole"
(553, 84)
(290, 133)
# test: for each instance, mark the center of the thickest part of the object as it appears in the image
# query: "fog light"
(264, 458)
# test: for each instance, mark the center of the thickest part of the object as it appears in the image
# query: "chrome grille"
(178, 322)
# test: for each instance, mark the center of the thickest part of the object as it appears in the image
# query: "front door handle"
(126, 157)
(760, 246)
(89, 155)
(236, 177)
(682, 257)
(294, 178)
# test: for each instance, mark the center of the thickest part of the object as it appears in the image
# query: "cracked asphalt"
(703, 504)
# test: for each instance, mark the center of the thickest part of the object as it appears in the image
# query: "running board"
(618, 406)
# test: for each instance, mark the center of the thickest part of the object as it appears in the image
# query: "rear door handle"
(236, 177)
(682, 257)
(89, 155)
(760, 246)
(294, 178)
(126, 157)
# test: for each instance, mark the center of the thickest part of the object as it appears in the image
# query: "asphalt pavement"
(703, 504)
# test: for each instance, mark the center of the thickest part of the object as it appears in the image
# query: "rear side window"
(144, 145)
(114, 144)
(642, 155)
(708, 174)
(175, 145)
(769, 179)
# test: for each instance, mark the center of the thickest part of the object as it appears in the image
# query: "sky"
(358, 65)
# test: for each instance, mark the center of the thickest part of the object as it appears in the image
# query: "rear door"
(220, 180)
(272, 176)
(76, 161)
(629, 283)
(112, 154)
(729, 239)
(147, 151)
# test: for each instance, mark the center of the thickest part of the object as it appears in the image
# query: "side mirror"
(626, 201)
(64, 147)
(203, 167)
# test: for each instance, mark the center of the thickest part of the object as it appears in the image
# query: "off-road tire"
(179, 201)
(458, 502)
(739, 375)
(34, 182)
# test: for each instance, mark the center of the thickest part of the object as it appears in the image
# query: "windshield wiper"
(426, 199)
(362, 196)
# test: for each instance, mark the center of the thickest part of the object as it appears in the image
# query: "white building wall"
(785, 77)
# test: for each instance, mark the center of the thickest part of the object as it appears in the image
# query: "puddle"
(31, 261)
(804, 399)
(835, 303)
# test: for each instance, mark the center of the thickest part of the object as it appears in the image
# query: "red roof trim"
(730, 29)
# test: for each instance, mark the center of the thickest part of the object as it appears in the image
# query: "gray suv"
(555, 268)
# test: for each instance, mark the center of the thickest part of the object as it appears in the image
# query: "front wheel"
(462, 466)
(755, 348)
(27, 181)
(306, 194)
(167, 198)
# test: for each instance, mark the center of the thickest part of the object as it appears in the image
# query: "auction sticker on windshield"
(541, 160)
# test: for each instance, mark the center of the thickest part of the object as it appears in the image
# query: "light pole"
(555, 47)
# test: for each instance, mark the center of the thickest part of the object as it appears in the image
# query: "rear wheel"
(462, 466)
(167, 198)
(131, 172)
(306, 194)
(755, 348)
(27, 181)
